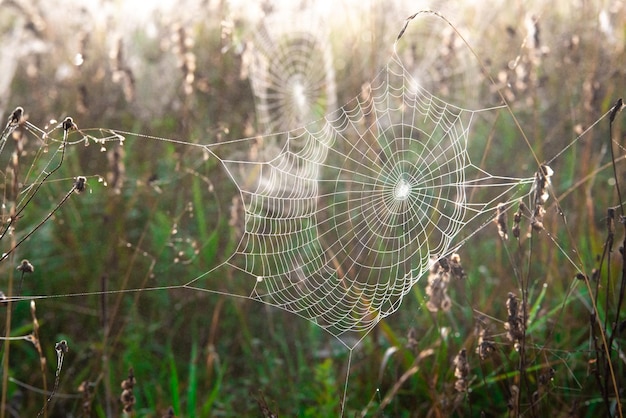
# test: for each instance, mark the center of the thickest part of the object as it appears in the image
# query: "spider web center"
(402, 190)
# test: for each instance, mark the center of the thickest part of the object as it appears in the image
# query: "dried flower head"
(501, 221)
(26, 267)
(517, 218)
(456, 269)
(437, 288)
(516, 321)
(61, 347)
(87, 389)
(80, 184)
(127, 397)
(69, 125)
(461, 371)
(536, 222)
(16, 117)
(411, 337)
(485, 347)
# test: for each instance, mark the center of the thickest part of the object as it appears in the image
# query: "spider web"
(344, 215)
(290, 65)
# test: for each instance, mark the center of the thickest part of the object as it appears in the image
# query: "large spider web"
(344, 215)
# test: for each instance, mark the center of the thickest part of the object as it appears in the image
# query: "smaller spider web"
(343, 216)
(290, 66)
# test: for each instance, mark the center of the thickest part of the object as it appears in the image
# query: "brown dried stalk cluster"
(121, 71)
(128, 398)
(485, 346)
(461, 371)
(540, 188)
(515, 324)
(520, 78)
(441, 272)
(540, 194)
(183, 44)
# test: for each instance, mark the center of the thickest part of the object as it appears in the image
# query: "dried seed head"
(516, 321)
(461, 371)
(69, 125)
(485, 347)
(501, 221)
(26, 267)
(412, 342)
(61, 347)
(128, 398)
(436, 290)
(443, 263)
(513, 400)
(617, 107)
(541, 184)
(456, 269)
(537, 219)
(80, 184)
(517, 218)
(16, 117)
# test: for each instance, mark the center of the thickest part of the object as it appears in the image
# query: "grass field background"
(535, 328)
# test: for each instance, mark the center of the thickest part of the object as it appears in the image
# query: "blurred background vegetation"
(157, 213)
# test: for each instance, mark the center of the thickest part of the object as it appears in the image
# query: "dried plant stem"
(7, 344)
(68, 125)
(405, 376)
(42, 358)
